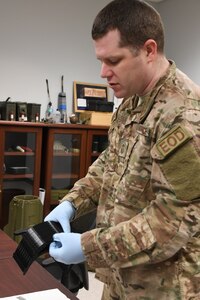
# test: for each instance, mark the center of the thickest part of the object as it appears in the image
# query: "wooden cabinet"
(20, 162)
(63, 161)
(50, 156)
(68, 151)
(97, 141)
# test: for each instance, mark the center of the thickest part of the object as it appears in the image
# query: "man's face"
(125, 71)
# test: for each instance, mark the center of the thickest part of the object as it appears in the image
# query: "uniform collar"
(140, 106)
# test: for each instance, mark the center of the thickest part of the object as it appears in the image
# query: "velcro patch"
(172, 140)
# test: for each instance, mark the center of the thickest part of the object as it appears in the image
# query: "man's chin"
(119, 94)
(122, 94)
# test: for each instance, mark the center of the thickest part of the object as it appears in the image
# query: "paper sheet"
(81, 103)
(46, 295)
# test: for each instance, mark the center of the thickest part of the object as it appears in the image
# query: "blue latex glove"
(63, 213)
(66, 248)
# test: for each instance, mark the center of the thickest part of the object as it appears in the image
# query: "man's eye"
(113, 62)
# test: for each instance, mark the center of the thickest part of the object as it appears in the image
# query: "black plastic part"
(35, 241)
(75, 277)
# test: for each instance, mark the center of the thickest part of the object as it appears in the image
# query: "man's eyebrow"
(110, 57)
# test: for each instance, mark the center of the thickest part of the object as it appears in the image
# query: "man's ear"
(150, 47)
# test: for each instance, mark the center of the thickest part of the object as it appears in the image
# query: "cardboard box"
(96, 118)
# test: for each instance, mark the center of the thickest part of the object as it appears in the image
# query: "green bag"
(24, 211)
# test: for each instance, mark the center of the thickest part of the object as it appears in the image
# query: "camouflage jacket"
(146, 186)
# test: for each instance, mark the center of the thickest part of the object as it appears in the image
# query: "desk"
(12, 280)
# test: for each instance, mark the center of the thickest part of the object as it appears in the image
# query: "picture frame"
(84, 93)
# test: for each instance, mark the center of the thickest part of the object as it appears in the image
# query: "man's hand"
(63, 213)
(66, 248)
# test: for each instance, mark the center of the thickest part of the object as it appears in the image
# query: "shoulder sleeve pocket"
(181, 169)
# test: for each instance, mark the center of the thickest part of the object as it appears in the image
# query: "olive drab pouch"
(24, 211)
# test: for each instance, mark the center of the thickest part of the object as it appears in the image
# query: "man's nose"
(105, 71)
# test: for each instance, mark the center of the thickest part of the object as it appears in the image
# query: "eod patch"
(173, 139)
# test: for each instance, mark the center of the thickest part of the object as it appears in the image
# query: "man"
(146, 184)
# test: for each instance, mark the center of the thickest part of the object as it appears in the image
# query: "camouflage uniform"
(147, 188)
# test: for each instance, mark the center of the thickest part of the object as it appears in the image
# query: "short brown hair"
(136, 21)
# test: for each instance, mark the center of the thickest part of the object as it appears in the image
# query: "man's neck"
(159, 70)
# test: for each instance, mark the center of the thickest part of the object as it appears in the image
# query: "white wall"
(42, 39)
(45, 39)
(182, 23)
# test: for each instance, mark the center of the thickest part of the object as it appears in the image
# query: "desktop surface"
(13, 282)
